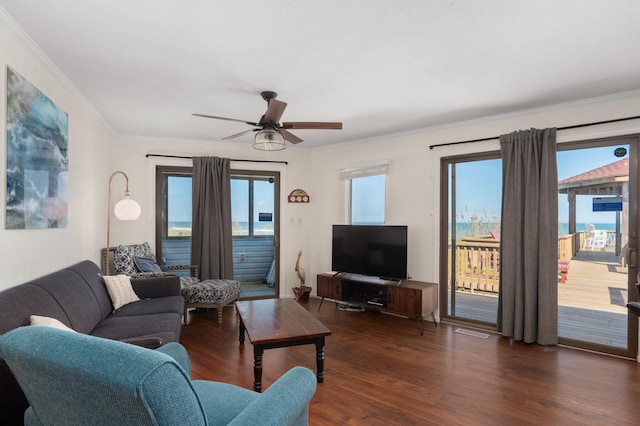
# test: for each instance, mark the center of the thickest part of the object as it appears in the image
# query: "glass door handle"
(632, 257)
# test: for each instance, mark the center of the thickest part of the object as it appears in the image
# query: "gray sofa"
(77, 296)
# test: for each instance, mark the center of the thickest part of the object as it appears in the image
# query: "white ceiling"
(379, 66)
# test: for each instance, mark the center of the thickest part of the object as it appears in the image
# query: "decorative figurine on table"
(302, 292)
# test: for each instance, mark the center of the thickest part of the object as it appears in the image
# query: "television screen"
(379, 251)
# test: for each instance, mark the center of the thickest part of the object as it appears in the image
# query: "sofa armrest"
(145, 342)
(286, 401)
(161, 286)
(179, 353)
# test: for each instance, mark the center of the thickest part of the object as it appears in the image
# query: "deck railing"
(478, 264)
(477, 260)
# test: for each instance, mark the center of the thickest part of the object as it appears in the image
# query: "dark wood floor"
(380, 371)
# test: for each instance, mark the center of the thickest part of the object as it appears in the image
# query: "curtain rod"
(232, 159)
(575, 126)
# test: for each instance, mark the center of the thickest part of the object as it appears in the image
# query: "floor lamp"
(125, 209)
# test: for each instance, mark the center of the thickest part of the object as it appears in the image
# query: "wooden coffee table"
(277, 323)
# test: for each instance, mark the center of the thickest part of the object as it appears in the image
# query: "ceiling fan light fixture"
(269, 140)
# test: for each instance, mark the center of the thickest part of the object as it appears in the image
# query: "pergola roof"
(600, 181)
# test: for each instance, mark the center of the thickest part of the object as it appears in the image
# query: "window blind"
(365, 170)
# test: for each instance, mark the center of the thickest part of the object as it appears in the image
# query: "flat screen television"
(374, 250)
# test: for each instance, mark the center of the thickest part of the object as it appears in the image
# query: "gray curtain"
(528, 298)
(211, 243)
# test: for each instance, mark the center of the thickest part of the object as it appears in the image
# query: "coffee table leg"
(258, 351)
(241, 331)
(320, 359)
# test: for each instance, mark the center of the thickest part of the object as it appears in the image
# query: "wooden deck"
(595, 281)
(591, 303)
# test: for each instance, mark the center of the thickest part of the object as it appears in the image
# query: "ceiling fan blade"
(312, 125)
(238, 134)
(274, 111)
(225, 118)
(290, 137)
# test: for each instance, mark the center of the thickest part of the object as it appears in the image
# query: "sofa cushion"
(74, 296)
(17, 304)
(49, 322)
(158, 305)
(120, 290)
(90, 273)
(123, 259)
(126, 327)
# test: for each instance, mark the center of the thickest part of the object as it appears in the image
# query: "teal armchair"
(72, 379)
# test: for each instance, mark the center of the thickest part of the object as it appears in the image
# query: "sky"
(479, 185)
(180, 199)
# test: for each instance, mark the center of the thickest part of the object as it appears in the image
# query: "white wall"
(26, 254)
(413, 181)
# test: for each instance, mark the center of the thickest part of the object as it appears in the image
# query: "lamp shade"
(269, 140)
(127, 209)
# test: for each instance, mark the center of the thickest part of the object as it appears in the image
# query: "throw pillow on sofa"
(49, 322)
(120, 290)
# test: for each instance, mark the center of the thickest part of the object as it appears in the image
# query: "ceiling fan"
(270, 134)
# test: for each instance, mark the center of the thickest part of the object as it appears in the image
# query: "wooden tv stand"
(415, 299)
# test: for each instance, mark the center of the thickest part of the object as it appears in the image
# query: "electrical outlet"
(242, 257)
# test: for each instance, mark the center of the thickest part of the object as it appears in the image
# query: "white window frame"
(358, 171)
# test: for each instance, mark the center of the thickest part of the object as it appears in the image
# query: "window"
(252, 206)
(367, 200)
(173, 215)
(365, 188)
(179, 204)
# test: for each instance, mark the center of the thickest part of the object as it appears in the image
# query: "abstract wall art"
(37, 160)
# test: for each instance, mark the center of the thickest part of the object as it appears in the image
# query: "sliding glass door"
(255, 216)
(470, 264)
(255, 221)
(597, 247)
(598, 225)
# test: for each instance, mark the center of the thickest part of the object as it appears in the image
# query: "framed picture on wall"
(37, 158)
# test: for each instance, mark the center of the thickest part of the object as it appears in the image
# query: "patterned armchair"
(125, 260)
(137, 261)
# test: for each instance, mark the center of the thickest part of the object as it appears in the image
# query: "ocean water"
(462, 229)
(239, 228)
(476, 229)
